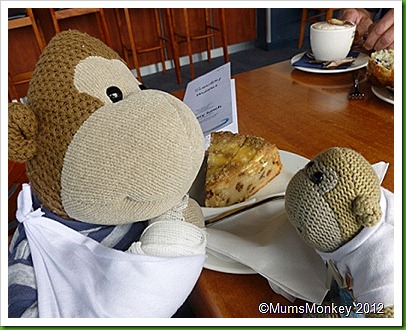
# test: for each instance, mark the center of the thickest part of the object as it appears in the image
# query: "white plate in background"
(383, 93)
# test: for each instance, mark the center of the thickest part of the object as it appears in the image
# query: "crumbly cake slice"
(381, 68)
(223, 147)
(255, 164)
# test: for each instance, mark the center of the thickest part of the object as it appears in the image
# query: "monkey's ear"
(22, 131)
(367, 210)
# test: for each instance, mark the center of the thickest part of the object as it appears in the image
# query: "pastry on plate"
(237, 167)
(381, 68)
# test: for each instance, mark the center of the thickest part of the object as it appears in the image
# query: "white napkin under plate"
(264, 240)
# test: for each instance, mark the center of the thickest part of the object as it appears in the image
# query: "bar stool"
(134, 49)
(23, 18)
(210, 31)
(326, 13)
(59, 14)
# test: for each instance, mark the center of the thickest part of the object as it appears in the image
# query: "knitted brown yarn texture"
(335, 209)
(22, 131)
(356, 180)
(101, 159)
(59, 108)
(311, 215)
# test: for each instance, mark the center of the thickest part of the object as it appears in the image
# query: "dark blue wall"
(285, 27)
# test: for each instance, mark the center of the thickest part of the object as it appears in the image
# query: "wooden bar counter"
(304, 113)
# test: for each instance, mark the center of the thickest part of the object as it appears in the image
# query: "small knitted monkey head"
(97, 147)
(333, 198)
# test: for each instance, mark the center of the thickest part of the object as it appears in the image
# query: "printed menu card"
(212, 99)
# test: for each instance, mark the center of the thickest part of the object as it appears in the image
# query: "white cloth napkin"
(264, 240)
(78, 277)
(271, 247)
(380, 169)
(368, 257)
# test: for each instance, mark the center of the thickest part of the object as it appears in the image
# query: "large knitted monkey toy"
(106, 226)
(338, 207)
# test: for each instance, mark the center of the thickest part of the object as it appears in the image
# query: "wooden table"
(303, 113)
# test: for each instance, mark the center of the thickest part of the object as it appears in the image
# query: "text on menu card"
(212, 99)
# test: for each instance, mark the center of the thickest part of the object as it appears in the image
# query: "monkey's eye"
(114, 93)
(309, 164)
(317, 177)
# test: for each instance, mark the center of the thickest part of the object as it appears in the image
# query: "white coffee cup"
(331, 42)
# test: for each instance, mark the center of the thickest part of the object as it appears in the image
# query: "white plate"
(360, 62)
(383, 93)
(292, 163)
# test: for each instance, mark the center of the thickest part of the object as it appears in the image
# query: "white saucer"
(360, 62)
(383, 93)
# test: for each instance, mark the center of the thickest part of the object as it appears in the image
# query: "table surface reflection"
(304, 113)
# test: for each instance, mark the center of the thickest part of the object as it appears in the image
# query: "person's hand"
(360, 17)
(382, 33)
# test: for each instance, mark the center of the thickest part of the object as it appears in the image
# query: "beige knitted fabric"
(169, 235)
(96, 160)
(194, 214)
(333, 197)
(95, 74)
(59, 109)
(135, 159)
(170, 239)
